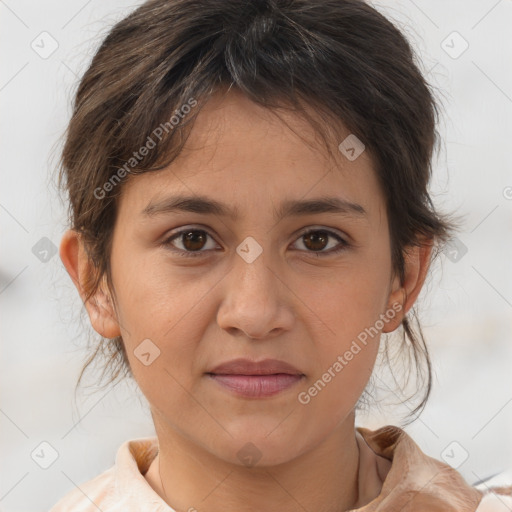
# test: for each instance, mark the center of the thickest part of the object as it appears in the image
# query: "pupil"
(315, 238)
(194, 240)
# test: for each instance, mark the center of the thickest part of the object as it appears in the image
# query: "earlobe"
(99, 306)
(416, 265)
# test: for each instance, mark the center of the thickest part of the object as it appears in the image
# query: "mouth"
(253, 379)
(256, 385)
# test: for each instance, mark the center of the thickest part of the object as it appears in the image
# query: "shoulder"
(89, 495)
(416, 480)
(120, 488)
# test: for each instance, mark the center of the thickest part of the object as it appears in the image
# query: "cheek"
(163, 317)
(157, 299)
(344, 354)
(347, 346)
(347, 338)
(352, 299)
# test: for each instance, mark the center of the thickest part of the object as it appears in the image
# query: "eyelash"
(194, 254)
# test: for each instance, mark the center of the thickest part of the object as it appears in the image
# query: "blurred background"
(51, 442)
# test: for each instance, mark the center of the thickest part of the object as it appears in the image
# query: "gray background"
(466, 307)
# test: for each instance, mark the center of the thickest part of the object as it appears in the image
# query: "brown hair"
(341, 56)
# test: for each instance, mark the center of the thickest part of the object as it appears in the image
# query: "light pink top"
(410, 481)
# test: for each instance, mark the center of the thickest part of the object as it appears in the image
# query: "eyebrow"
(207, 206)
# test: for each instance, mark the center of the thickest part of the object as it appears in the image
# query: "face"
(197, 286)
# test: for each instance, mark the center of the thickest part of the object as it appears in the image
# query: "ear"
(79, 267)
(416, 265)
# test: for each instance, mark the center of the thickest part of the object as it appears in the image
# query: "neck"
(324, 479)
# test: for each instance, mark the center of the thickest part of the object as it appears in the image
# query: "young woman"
(249, 213)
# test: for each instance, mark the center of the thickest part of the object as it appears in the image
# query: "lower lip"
(257, 385)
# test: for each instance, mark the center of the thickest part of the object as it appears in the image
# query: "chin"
(264, 443)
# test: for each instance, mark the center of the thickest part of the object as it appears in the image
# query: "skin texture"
(290, 303)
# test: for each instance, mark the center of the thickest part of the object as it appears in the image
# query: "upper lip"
(248, 367)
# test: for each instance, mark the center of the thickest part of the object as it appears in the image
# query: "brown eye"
(190, 242)
(193, 240)
(316, 240)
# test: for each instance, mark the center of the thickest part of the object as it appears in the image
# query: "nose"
(256, 301)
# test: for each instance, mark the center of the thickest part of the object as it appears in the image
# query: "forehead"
(232, 120)
(243, 154)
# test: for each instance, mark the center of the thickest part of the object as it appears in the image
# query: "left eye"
(316, 240)
(191, 239)
(192, 242)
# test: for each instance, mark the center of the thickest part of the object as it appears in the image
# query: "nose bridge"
(252, 267)
(253, 301)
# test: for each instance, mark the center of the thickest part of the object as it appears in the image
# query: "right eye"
(191, 241)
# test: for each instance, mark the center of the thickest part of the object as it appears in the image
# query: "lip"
(248, 367)
(254, 379)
